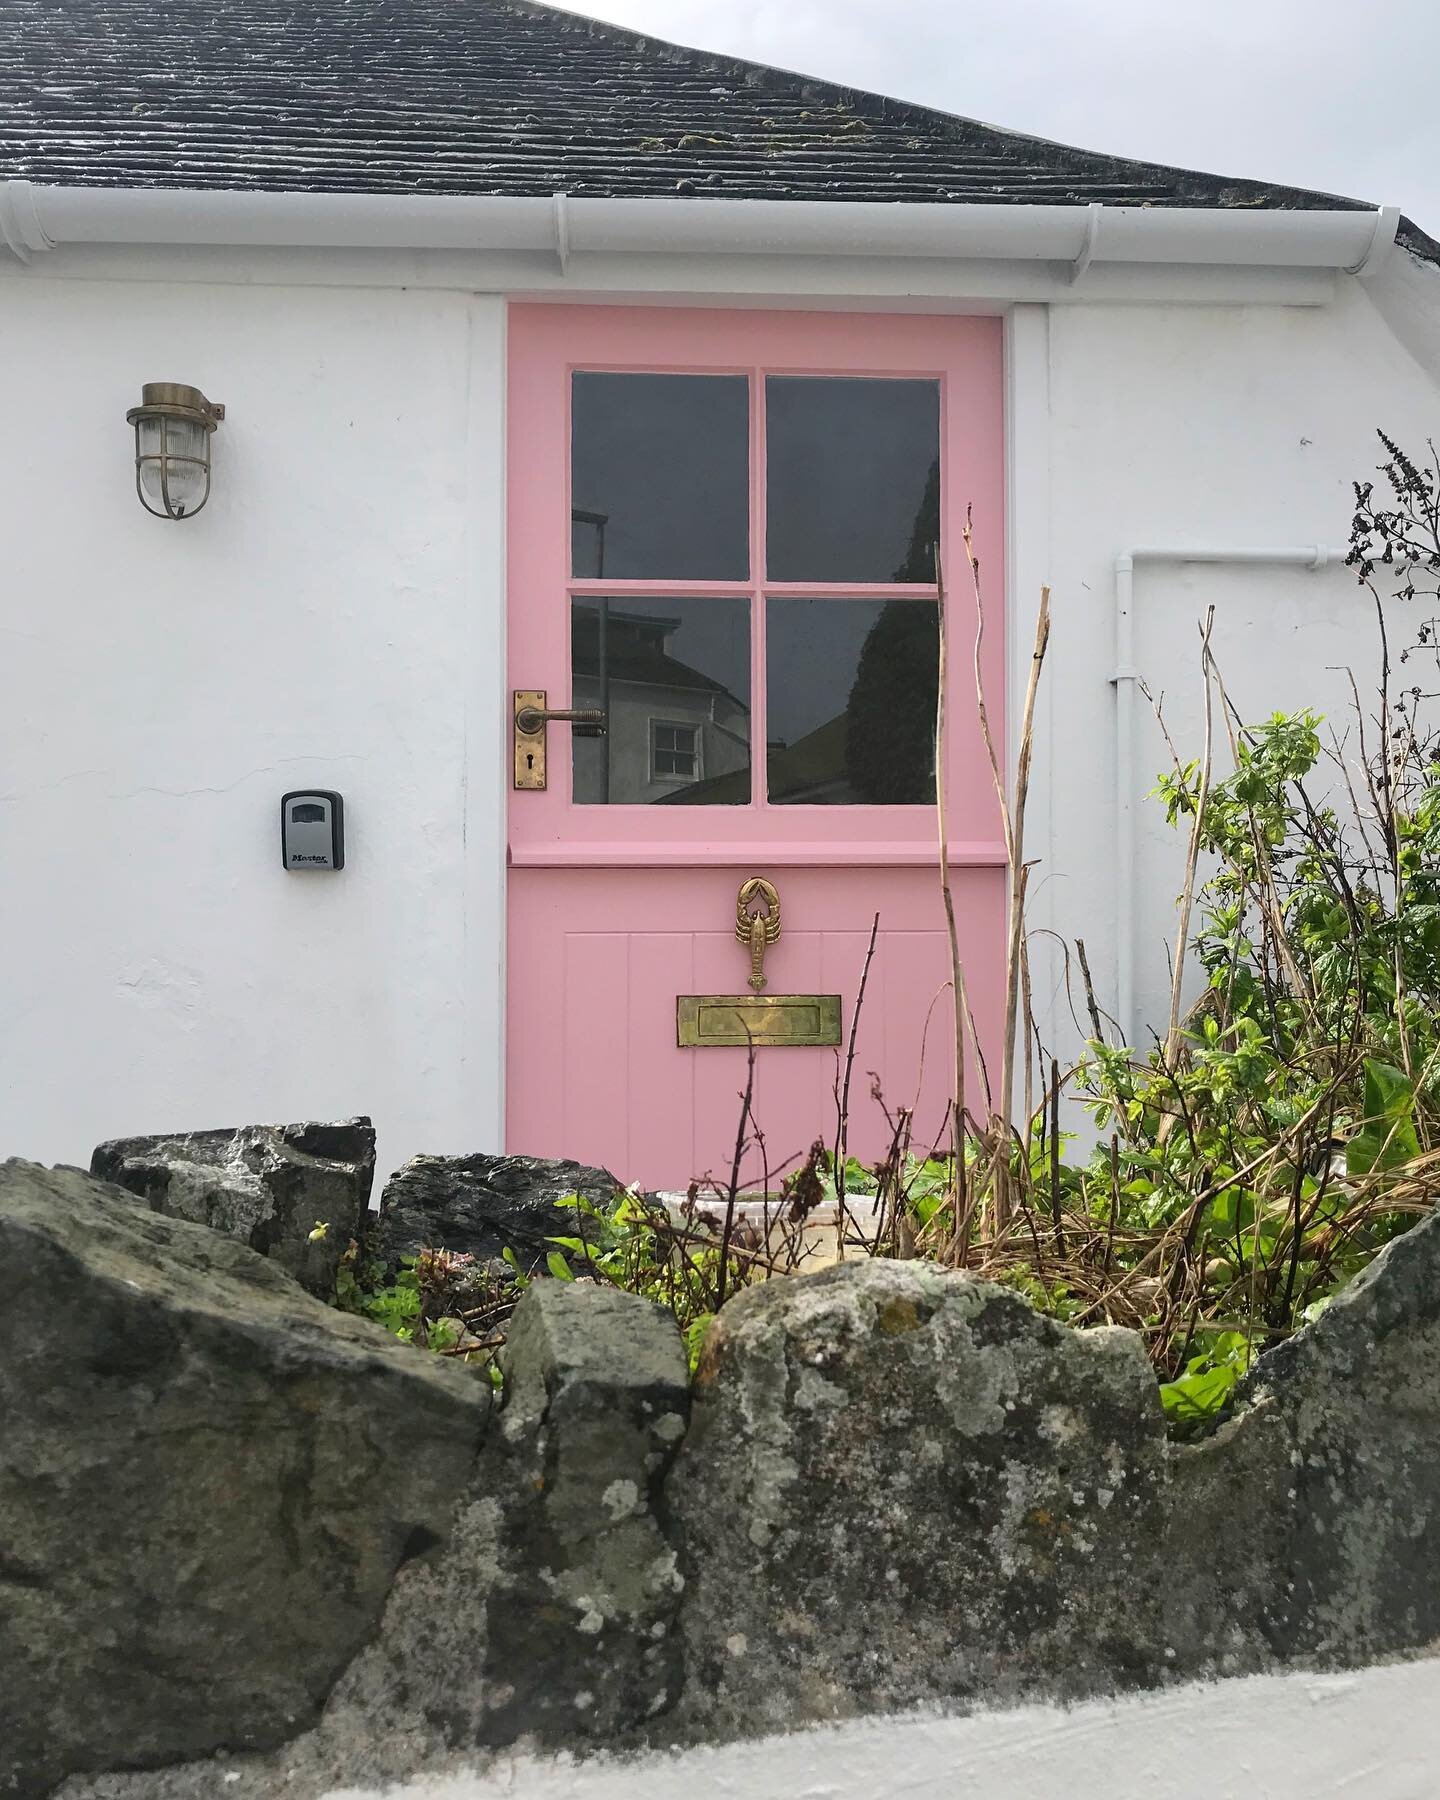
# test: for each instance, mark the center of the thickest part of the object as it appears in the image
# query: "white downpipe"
(34, 217)
(1125, 680)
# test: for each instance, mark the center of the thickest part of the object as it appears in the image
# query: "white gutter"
(1125, 680)
(35, 218)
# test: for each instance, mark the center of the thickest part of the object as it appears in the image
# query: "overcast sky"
(1331, 94)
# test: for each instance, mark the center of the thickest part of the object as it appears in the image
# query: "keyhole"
(529, 759)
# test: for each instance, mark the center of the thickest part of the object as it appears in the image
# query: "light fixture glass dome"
(173, 426)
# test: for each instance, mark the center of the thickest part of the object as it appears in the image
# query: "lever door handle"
(533, 719)
(530, 716)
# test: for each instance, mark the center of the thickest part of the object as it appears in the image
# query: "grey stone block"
(207, 1483)
(479, 1205)
(901, 1484)
(1307, 1529)
(550, 1614)
(266, 1185)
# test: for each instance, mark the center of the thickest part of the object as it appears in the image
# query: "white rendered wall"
(333, 618)
(1290, 1737)
(1188, 425)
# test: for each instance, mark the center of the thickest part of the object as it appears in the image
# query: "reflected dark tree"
(919, 563)
(890, 723)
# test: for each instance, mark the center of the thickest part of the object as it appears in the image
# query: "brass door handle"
(531, 716)
(532, 719)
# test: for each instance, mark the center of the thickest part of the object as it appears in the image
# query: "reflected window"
(673, 678)
(853, 478)
(674, 751)
(659, 477)
(851, 688)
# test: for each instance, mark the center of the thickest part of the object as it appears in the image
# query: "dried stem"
(1192, 852)
(733, 1195)
(842, 1093)
(960, 1207)
(1012, 820)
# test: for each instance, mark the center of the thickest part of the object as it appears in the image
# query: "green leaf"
(695, 1337)
(1386, 1137)
(558, 1267)
(1209, 1379)
(927, 1205)
(519, 1279)
(1388, 1090)
(1198, 1396)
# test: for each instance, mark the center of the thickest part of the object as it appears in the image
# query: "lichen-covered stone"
(550, 1615)
(269, 1186)
(207, 1483)
(1307, 1529)
(580, 1633)
(898, 1486)
(482, 1205)
(901, 1484)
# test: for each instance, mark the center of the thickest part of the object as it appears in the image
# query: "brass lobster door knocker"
(757, 925)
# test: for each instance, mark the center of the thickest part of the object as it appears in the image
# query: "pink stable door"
(721, 530)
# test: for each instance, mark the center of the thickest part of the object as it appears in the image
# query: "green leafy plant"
(436, 1299)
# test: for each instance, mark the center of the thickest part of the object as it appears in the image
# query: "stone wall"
(233, 1519)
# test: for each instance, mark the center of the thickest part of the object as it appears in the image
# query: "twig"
(1192, 853)
(959, 1002)
(1056, 1207)
(1012, 821)
(733, 1195)
(842, 1098)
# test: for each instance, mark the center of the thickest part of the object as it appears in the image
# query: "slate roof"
(497, 97)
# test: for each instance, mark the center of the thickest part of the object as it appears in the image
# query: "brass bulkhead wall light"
(173, 425)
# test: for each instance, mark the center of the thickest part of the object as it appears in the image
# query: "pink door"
(720, 537)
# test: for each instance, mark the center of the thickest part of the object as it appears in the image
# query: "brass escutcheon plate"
(705, 1020)
(529, 745)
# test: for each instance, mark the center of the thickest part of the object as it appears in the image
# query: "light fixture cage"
(173, 427)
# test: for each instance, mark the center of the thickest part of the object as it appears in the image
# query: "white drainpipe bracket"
(1387, 224)
(1078, 269)
(562, 232)
(20, 228)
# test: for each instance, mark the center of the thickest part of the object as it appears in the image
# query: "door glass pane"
(660, 477)
(853, 478)
(851, 699)
(673, 676)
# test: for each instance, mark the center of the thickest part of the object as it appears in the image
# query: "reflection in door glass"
(853, 478)
(851, 688)
(659, 477)
(673, 676)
